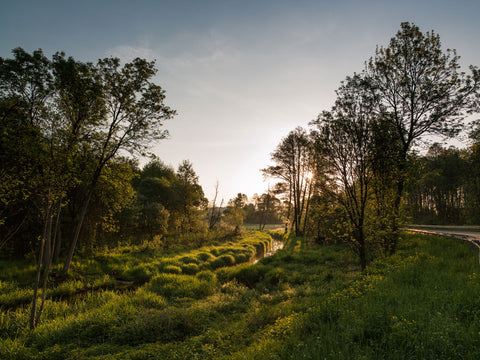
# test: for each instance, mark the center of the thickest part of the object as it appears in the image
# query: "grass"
(304, 302)
(135, 265)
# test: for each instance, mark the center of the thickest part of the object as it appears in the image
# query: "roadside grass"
(422, 303)
(304, 302)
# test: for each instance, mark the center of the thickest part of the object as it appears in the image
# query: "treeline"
(353, 177)
(260, 210)
(445, 186)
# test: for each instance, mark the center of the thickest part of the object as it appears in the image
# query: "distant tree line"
(351, 178)
(445, 186)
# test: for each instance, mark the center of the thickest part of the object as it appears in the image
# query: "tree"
(135, 112)
(234, 213)
(343, 142)
(215, 212)
(421, 92)
(25, 88)
(113, 196)
(31, 92)
(191, 197)
(68, 112)
(293, 166)
(438, 195)
(472, 181)
(267, 204)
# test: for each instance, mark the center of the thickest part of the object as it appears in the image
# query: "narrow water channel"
(276, 245)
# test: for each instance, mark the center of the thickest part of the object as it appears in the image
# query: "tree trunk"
(46, 270)
(396, 207)
(78, 228)
(33, 310)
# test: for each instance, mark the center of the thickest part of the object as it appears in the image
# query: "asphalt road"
(452, 231)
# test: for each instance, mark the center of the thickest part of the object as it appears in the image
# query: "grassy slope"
(303, 302)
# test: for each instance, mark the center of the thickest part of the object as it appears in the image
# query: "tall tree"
(135, 112)
(421, 92)
(343, 142)
(30, 87)
(293, 166)
(472, 181)
(68, 111)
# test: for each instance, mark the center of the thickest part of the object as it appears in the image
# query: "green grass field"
(304, 302)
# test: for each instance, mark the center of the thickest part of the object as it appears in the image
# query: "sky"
(240, 74)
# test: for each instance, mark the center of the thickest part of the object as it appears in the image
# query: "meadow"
(306, 301)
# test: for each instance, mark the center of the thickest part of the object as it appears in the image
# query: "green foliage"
(293, 168)
(172, 269)
(190, 269)
(177, 286)
(206, 275)
(303, 301)
(443, 187)
(222, 261)
(205, 256)
(246, 274)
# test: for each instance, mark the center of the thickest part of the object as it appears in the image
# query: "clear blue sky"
(241, 74)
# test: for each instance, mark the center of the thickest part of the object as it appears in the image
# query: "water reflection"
(276, 245)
